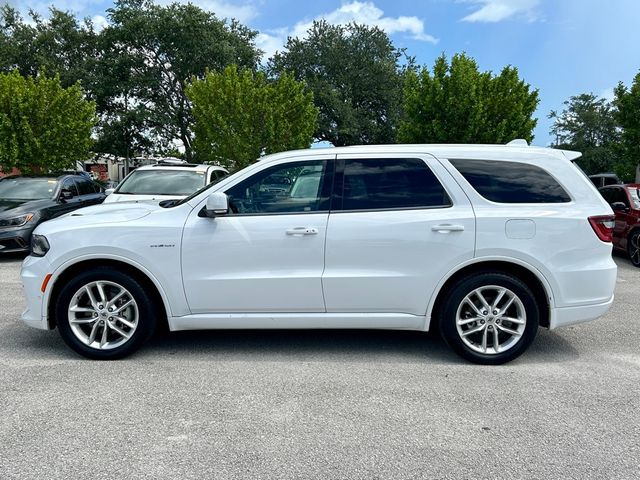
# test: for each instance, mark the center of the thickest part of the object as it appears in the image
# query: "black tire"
(526, 304)
(633, 247)
(146, 321)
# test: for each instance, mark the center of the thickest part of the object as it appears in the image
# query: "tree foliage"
(240, 115)
(587, 124)
(355, 77)
(456, 103)
(43, 126)
(627, 101)
(156, 49)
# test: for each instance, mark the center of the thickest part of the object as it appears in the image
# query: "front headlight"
(16, 221)
(39, 245)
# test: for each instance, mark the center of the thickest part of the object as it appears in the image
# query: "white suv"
(164, 181)
(484, 243)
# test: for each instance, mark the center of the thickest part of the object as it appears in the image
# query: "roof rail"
(518, 142)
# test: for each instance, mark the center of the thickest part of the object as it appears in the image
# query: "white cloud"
(365, 13)
(99, 22)
(492, 11)
(607, 94)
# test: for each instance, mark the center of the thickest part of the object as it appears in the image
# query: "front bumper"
(33, 272)
(15, 239)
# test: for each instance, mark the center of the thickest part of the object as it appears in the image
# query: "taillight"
(603, 226)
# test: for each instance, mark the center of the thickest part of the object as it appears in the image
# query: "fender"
(499, 258)
(69, 263)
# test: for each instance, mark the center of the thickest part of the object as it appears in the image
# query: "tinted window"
(391, 183)
(69, 184)
(607, 194)
(511, 182)
(286, 188)
(85, 187)
(619, 195)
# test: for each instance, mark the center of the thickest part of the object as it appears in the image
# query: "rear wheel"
(104, 314)
(489, 318)
(633, 247)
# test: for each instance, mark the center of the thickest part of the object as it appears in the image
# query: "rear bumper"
(564, 316)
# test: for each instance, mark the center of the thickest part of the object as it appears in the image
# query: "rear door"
(398, 224)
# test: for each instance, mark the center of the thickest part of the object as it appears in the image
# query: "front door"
(394, 232)
(267, 255)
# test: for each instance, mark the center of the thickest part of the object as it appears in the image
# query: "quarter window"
(511, 182)
(295, 187)
(382, 183)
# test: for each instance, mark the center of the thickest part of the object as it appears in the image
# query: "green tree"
(165, 47)
(59, 44)
(241, 115)
(43, 126)
(456, 103)
(627, 101)
(356, 80)
(587, 124)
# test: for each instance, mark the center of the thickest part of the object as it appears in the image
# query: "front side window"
(511, 182)
(295, 187)
(162, 182)
(70, 185)
(391, 183)
(85, 187)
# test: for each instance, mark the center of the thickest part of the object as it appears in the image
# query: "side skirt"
(395, 321)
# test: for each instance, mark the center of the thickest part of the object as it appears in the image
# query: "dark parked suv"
(27, 201)
(625, 202)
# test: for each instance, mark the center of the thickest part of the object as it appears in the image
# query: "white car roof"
(461, 151)
(184, 167)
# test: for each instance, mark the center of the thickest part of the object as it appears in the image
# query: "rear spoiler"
(571, 155)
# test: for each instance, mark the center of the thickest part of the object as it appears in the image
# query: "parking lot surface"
(321, 404)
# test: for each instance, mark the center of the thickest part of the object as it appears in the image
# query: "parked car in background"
(604, 179)
(27, 201)
(484, 243)
(625, 202)
(165, 181)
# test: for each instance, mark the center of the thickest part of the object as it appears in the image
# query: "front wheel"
(104, 314)
(489, 318)
(633, 247)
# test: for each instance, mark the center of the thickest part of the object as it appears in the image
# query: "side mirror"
(619, 207)
(109, 191)
(66, 194)
(217, 204)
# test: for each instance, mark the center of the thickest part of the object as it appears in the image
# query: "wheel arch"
(150, 284)
(531, 276)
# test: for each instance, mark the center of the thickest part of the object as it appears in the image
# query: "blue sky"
(561, 47)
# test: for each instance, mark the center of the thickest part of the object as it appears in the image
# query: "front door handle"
(302, 231)
(446, 228)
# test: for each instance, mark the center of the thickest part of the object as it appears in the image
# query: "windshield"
(162, 182)
(25, 188)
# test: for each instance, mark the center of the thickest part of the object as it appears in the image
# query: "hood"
(116, 214)
(11, 208)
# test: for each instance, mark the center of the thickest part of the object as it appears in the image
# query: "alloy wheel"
(103, 315)
(634, 248)
(491, 319)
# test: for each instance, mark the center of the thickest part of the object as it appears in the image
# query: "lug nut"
(484, 312)
(100, 306)
(490, 327)
(111, 319)
(95, 314)
(497, 320)
(481, 322)
(495, 312)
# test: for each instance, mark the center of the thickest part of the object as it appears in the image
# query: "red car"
(625, 202)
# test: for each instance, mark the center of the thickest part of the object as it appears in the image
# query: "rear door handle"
(446, 228)
(302, 231)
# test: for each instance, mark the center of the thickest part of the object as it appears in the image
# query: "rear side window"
(395, 183)
(511, 182)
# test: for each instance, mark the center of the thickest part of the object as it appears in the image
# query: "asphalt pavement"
(321, 404)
